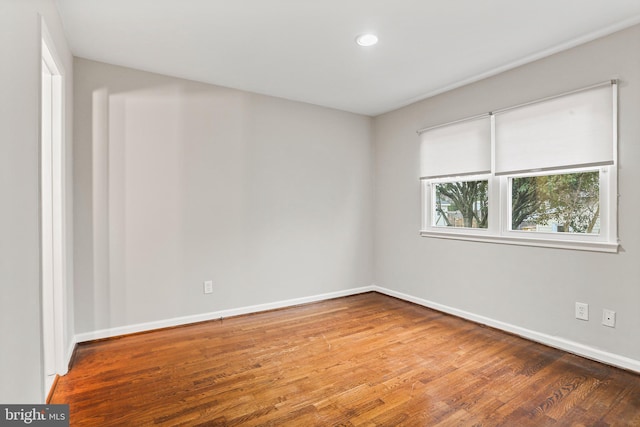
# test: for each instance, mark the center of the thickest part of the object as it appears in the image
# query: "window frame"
(499, 217)
(428, 191)
(606, 226)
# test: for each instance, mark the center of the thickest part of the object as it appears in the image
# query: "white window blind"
(459, 148)
(573, 130)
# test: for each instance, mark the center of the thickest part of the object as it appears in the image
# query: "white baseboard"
(552, 341)
(178, 321)
(68, 355)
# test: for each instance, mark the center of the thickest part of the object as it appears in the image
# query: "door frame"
(53, 215)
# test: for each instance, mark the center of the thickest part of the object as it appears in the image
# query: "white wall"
(178, 182)
(528, 288)
(20, 328)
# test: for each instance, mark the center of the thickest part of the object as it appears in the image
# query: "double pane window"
(543, 173)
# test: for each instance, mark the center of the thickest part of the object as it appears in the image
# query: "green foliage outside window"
(462, 204)
(565, 202)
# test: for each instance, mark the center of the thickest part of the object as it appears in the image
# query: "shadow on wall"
(190, 182)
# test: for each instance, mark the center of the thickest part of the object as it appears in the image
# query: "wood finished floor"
(367, 360)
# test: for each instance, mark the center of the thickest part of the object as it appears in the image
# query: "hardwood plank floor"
(367, 360)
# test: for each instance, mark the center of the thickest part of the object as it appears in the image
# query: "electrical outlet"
(609, 318)
(582, 311)
(208, 287)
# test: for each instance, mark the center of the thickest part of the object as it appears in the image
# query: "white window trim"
(525, 241)
(498, 230)
(428, 191)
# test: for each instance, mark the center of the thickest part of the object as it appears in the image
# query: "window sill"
(526, 241)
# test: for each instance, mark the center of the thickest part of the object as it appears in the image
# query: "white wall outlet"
(208, 287)
(609, 318)
(582, 311)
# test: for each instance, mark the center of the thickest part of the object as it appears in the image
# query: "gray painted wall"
(179, 182)
(20, 324)
(532, 288)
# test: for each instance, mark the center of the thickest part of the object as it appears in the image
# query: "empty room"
(305, 213)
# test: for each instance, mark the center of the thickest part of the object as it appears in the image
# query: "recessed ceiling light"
(367, 40)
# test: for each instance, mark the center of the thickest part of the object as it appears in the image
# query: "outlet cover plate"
(609, 318)
(208, 287)
(582, 311)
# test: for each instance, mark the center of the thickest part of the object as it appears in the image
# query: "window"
(540, 174)
(560, 203)
(461, 204)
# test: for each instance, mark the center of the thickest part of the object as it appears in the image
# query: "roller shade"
(568, 131)
(459, 148)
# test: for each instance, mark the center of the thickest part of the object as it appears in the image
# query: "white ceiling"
(304, 50)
